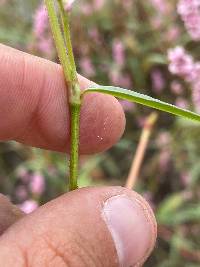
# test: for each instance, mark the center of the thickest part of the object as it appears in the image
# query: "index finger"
(34, 108)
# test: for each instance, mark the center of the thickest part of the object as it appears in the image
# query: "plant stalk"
(65, 54)
(58, 39)
(67, 38)
(74, 149)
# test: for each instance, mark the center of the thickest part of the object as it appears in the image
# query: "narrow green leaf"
(144, 100)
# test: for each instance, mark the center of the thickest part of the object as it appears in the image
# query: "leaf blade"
(143, 100)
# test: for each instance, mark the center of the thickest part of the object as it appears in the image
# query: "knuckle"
(52, 252)
(42, 252)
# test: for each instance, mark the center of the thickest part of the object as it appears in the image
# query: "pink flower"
(98, 4)
(37, 184)
(119, 79)
(196, 87)
(28, 206)
(181, 63)
(118, 53)
(162, 6)
(189, 10)
(40, 21)
(124, 80)
(94, 34)
(184, 66)
(114, 76)
(156, 22)
(41, 31)
(185, 178)
(87, 67)
(87, 9)
(158, 81)
(45, 45)
(127, 4)
(163, 140)
(172, 34)
(127, 105)
(181, 103)
(23, 175)
(185, 7)
(176, 87)
(21, 192)
(68, 5)
(196, 95)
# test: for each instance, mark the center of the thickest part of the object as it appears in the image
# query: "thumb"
(9, 213)
(108, 226)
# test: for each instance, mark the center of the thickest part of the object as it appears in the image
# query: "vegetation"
(136, 50)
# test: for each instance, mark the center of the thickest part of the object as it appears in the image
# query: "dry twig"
(139, 155)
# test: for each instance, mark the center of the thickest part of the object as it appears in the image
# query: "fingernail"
(131, 227)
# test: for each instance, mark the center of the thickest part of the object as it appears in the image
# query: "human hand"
(105, 226)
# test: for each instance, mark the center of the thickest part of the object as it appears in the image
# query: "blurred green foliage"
(170, 174)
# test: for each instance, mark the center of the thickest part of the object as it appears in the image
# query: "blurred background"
(152, 47)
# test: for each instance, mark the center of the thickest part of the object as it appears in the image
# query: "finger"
(109, 226)
(34, 109)
(9, 213)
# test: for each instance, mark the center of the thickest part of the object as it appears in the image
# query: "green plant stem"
(67, 38)
(74, 149)
(58, 39)
(74, 94)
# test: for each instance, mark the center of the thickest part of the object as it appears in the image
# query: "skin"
(34, 111)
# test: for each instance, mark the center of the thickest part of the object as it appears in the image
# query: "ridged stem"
(74, 150)
(65, 54)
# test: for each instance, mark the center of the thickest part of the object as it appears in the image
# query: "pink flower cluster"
(116, 75)
(189, 10)
(162, 6)
(29, 206)
(37, 184)
(118, 52)
(32, 186)
(87, 67)
(158, 81)
(44, 42)
(119, 79)
(163, 142)
(184, 66)
(89, 8)
(181, 63)
(41, 31)
(127, 105)
(68, 5)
